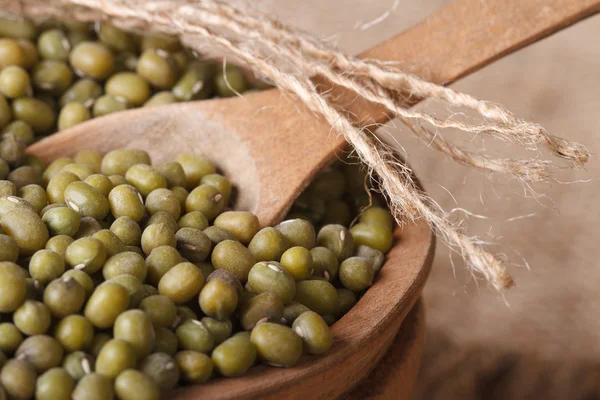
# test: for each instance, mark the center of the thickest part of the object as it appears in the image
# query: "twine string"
(269, 48)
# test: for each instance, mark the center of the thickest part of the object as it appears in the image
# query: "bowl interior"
(362, 336)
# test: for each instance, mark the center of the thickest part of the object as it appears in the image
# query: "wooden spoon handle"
(468, 35)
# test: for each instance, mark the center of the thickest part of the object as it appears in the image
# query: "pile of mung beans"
(119, 279)
(61, 73)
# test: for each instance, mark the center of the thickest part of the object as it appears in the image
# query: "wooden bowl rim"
(396, 289)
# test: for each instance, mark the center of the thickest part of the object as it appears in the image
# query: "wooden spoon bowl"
(271, 147)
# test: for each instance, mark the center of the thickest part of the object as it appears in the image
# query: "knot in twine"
(289, 59)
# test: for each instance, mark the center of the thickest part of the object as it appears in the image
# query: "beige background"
(554, 310)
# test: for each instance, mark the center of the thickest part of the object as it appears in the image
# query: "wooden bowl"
(395, 376)
(362, 336)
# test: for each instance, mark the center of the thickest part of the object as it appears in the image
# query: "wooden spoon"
(271, 148)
